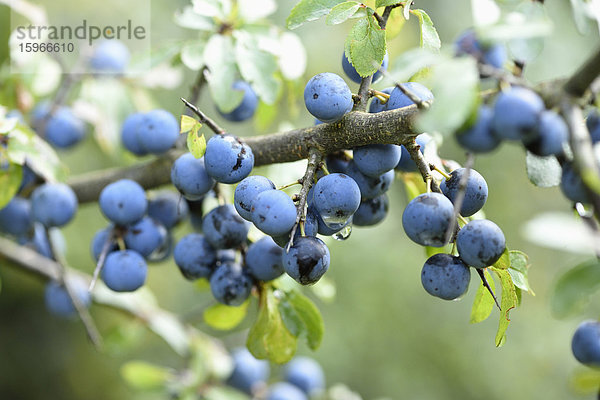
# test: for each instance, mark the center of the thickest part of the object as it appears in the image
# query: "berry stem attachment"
(324, 168)
(383, 97)
(434, 167)
(487, 286)
(415, 153)
(314, 159)
(298, 182)
(204, 119)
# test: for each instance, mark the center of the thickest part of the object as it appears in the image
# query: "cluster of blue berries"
(303, 377)
(430, 220)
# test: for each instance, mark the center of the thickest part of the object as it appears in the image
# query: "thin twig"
(314, 159)
(415, 153)
(487, 286)
(204, 119)
(102, 257)
(460, 196)
(84, 315)
(360, 103)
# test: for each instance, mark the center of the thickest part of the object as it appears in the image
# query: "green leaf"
(365, 46)
(574, 288)
(269, 338)
(265, 115)
(308, 316)
(585, 381)
(519, 270)
(10, 180)
(219, 56)
(222, 317)
(383, 3)
(395, 23)
(24, 145)
(509, 301)
(410, 62)
(196, 144)
(192, 55)
(342, 12)
(455, 85)
(309, 10)
(223, 393)
(504, 260)
(483, 304)
(187, 123)
(560, 231)
(141, 375)
(543, 171)
(257, 67)
(429, 36)
(430, 251)
(188, 18)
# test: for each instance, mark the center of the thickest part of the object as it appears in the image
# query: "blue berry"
(376, 106)
(445, 276)
(336, 164)
(40, 241)
(480, 243)
(516, 114)
(29, 178)
(129, 134)
(58, 301)
(230, 284)
(285, 391)
(263, 259)
(306, 374)
(248, 372)
(224, 228)
(189, 176)
(475, 192)
(355, 77)
(370, 187)
(16, 217)
(124, 271)
(406, 163)
(246, 108)
(195, 257)
(110, 56)
(307, 260)
(371, 211)
(479, 137)
(426, 219)
(552, 135)
(246, 192)
(398, 99)
(157, 132)
(226, 256)
(331, 229)
(123, 202)
(53, 204)
(99, 241)
(327, 97)
(586, 343)
(593, 124)
(336, 197)
(273, 212)
(572, 185)
(376, 159)
(145, 236)
(62, 129)
(227, 159)
(168, 208)
(467, 43)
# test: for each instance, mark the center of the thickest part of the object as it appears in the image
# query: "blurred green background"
(385, 336)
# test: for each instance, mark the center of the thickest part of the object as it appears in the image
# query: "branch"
(585, 75)
(307, 181)
(353, 130)
(203, 118)
(139, 305)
